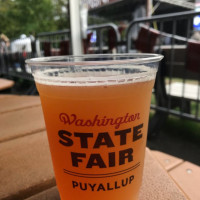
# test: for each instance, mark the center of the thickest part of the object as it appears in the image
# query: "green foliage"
(25, 16)
(62, 22)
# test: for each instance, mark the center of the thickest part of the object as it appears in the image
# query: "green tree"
(25, 16)
(6, 23)
(61, 14)
(34, 15)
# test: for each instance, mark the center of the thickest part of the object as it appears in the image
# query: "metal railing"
(177, 88)
(173, 69)
(12, 62)
(49, 42)
(161, 19)
(55, 38)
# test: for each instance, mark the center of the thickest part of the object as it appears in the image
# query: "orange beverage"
(97, 128)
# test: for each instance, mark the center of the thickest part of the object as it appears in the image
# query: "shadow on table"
(179, 138)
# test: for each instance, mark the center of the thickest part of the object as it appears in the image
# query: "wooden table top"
(25, 165)
(5, 84)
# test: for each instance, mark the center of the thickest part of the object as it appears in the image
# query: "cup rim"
(140, 58)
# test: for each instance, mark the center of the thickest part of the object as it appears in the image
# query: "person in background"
(33, 45)
(4, 43)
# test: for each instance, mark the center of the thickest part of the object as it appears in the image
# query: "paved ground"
(178, 142)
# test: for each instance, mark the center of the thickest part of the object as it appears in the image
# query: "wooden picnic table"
(5, 84)
(26, 170)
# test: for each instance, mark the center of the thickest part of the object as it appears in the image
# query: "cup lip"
(141, 58)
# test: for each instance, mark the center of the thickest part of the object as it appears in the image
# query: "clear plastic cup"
(96, 110)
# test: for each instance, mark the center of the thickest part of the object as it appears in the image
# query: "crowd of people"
(14, 53)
